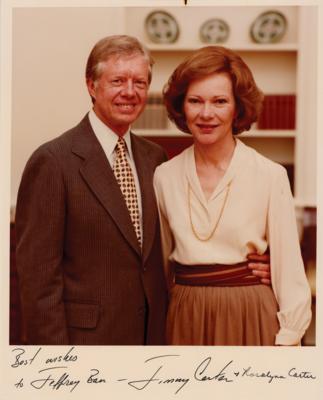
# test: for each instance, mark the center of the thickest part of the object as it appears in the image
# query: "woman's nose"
(207, 111)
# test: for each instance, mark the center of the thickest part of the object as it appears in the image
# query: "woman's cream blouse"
(258, 212)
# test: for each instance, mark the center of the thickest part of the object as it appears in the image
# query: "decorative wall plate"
(161, 27)
(214, 31)
(269, 27)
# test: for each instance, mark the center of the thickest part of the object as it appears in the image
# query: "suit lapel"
(145, 170)
(98, 174)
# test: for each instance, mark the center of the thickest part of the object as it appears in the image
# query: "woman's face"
(209, 108)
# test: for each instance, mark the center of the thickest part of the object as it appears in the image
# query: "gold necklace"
(218, 220)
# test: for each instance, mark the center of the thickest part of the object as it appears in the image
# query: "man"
(88, 243)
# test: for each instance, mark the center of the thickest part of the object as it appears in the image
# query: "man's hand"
(260, 266)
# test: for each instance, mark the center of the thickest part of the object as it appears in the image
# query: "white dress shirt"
(108, 140)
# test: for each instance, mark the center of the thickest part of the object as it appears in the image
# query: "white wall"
(306, 145)
(49, 96)
(191, 18)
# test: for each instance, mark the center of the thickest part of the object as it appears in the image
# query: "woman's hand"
(260, 266)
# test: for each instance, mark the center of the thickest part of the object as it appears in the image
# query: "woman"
(218, 201)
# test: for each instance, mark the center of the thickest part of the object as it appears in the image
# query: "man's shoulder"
(147, 144)
(61, 144)
(152, 149)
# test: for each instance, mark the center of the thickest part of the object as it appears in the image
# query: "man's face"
(120, 92)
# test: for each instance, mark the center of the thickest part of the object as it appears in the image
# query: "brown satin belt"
(215, 275)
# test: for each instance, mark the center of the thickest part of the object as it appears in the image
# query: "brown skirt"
(224, 316)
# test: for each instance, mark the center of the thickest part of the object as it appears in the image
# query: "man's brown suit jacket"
(82, 276)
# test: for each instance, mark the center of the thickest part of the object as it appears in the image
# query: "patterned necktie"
(125, 179)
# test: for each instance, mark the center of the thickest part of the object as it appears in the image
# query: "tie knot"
(121, 146)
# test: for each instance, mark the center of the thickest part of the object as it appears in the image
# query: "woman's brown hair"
(206, 61)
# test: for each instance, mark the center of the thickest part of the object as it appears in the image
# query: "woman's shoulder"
(260, 162)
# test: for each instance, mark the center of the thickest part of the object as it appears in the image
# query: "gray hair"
(115, 45)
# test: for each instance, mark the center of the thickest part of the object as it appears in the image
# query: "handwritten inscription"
(55, 379)
(94, 377)
(21, 360)
(207, 371)
(200, 373)
(68, 357)
(55, 382)
(269, 376)
(300, 374)
(55, 372)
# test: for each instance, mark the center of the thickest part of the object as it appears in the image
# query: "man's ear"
(91, 87)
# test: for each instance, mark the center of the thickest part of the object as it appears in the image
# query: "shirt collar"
(107, 138)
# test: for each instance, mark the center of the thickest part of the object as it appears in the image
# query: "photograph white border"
(123, 362)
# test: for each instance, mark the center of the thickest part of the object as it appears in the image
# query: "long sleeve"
(288, 276)
(259, 213)
(40, 219)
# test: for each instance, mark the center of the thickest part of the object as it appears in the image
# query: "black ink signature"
(219, 376)
(200, 375)
(141, 384)
(210, 370)
(300, 375)
(207, 371)
(248, 372)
